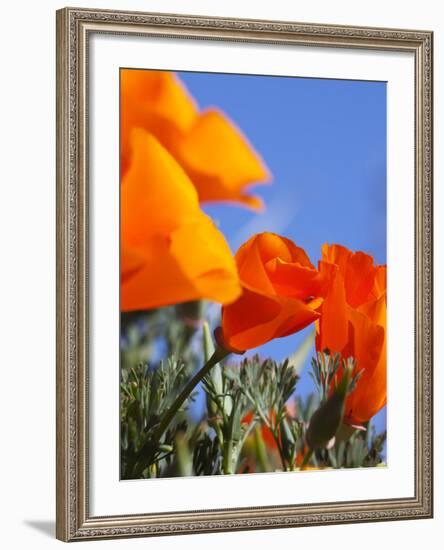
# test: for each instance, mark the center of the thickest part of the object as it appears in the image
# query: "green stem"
(306, 459)
(219, 434)
(273, 433)
(228, 456)
(261, 452)
(280, 450)
(218, 355)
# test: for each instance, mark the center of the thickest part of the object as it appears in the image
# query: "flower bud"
(328, 417)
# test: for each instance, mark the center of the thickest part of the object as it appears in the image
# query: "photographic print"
(253, 294)
(244, 274)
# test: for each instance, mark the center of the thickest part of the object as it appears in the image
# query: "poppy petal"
(369, 350)
(160, 217)
(333, 325)
(211, 266)
(220, 161)
(155, 101)
(359, 278)
(255, 319)
(251, 268)
(156, 194)
(336, 254)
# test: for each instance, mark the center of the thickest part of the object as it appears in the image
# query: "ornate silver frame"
(73, 519)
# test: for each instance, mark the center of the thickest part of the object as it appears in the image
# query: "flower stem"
(306, 459)
(261, 452)
(227, 463)
(218, 355)
(141, 463)
(281, 452)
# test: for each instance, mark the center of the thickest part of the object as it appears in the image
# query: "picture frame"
(75, 29)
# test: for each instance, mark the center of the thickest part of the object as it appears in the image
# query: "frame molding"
(73, 521)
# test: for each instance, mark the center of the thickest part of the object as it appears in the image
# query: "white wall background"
(27, 272)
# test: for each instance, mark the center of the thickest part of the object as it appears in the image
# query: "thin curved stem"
(218, 355)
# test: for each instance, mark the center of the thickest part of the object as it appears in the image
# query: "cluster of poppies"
(175, 157)
(345, 296)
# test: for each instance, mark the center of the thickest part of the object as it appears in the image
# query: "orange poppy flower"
(281, 293)
(171, 251)
(213, 152)
(354, 323)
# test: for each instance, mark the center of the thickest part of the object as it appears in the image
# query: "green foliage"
(146, 394)
(362, 450)
(253, 418)
(269, 385)
(327, 372)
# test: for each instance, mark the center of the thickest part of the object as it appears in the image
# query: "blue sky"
(324, 141)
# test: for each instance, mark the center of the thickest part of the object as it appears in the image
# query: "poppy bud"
(328, 417)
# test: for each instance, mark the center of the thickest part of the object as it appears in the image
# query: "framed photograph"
(244, 274)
